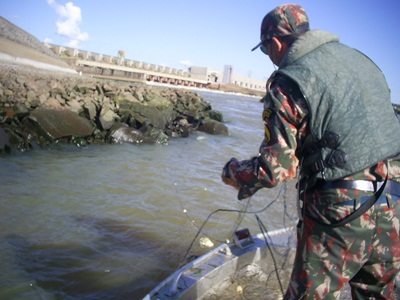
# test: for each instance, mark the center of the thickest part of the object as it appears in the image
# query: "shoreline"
(40, 107)
(25, 65)
(164, 85)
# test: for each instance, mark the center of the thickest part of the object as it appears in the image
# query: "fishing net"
(257, 280)
(268, 277)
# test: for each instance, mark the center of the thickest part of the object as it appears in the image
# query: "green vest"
(351, 119)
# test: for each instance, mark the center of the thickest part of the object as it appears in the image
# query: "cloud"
(186, 63)
(68, 25)
(48, 41)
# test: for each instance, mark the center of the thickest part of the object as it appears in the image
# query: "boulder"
(213, 127)
(122, 133)
(107, 118)
(54, 124)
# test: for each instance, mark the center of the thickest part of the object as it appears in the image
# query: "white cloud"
(68, 25)
(186, 63)
(73, 43)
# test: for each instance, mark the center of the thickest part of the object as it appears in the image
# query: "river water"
(112, 221)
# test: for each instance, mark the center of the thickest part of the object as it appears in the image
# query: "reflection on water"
(111, 221)
(114, 265)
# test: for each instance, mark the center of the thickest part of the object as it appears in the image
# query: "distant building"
(207, 74)
(195, 73)
(247, 82)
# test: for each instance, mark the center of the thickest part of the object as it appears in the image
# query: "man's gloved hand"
(232, 174)
(228, 172)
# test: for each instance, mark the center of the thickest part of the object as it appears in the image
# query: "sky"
(206, 33)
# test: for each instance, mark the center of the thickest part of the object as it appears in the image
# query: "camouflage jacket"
(286, 128)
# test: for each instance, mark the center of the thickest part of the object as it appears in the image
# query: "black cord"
(265, 233)
(200, 230)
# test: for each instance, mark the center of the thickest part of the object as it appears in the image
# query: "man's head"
(282, 24)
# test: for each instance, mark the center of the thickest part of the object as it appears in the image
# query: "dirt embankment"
(19, 47)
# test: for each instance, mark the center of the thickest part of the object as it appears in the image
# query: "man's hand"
(227, 173)
(230, 182)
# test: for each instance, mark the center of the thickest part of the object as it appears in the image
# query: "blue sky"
(209, 33)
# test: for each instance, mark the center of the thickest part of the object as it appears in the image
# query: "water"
(112, 221)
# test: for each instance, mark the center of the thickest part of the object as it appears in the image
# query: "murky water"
(111, 221)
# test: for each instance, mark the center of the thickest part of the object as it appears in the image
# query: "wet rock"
(4, 142)
(155, 134)
(179, 128)
(216, 115)
(55, 124)
(124, 134)
(213, 127)
(159, 117)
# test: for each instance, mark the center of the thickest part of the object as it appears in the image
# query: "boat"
(233, 269)
(250, 267)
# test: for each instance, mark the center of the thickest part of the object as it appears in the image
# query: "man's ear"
(279, 50)
(277, 44)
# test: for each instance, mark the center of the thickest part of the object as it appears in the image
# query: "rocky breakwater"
(38, 109)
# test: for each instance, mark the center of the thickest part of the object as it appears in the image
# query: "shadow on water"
(111, 266)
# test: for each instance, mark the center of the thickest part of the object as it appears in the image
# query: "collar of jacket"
(306, 43)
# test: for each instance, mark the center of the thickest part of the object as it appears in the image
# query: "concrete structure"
(228, 70)
(100, 65)
(204, 73)
(248, 83)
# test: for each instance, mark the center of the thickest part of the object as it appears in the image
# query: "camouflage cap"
(283, 20)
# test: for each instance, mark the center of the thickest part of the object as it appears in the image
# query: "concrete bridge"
(99, 65)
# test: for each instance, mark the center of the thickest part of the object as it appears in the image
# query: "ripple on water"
(111, 221)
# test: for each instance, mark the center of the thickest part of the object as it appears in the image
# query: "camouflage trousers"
(364, 253)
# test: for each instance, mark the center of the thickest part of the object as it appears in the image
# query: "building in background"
(205, 73)
(228, 76)
(108, 65)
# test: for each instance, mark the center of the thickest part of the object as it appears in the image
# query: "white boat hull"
(211, 273)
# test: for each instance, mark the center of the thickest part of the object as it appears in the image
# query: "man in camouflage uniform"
(328, 115)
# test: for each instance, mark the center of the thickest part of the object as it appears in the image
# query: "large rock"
(107, 118)
(123, 134)
(213, 127)
(55, 124)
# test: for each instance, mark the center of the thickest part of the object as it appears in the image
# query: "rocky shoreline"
(39, 108)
